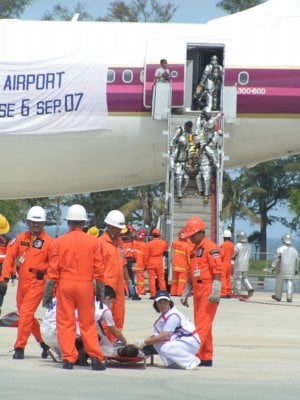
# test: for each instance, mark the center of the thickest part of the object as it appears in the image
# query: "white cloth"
(184, 341)
(49, 332)
(159, 74)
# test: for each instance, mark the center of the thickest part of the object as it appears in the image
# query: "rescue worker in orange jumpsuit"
(139, 248)
(227, 251)
(4, 229)
(127, 235)
(30, 248)
(180, 263)
(115, 270)
(205, 282)
(74, 262)
(156, 249)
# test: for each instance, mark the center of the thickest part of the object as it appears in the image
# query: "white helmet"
(36, 214)
(115, 218)
(76, 212)
(227, 233)
(287, 239)
(242, 237)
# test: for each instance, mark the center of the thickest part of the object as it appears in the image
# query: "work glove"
(215, 292)
(100, 289)
(185, 295)
(139, 343)
(48, 293)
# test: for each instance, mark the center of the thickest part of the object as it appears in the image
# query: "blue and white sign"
(63, 94)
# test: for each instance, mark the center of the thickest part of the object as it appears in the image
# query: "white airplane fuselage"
(126, 150)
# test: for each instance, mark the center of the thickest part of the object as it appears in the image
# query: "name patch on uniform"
(24, 243)
(215, 253)
(200, 252)
(37, 243)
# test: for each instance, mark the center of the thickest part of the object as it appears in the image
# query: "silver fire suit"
(242, 252)
(211, 82)
(284, 263)
(179, 158)
(208, 141)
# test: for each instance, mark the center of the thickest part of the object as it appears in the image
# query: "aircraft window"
(243, 78)
(142, 76)
(127, 76)
(111, 76)
(174, 74)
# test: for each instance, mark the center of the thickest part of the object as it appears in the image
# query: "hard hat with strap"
(4, 225)
(193, 225)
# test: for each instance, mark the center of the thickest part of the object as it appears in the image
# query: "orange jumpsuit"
(154, 263)
(74, 261)
(227, 251)
(180, 263)
(32, 255)
(205, 263)
(114, 264)
(139, 248)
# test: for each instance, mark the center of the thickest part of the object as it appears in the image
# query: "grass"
(256, 267)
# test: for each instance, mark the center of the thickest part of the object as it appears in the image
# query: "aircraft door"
(174, 51)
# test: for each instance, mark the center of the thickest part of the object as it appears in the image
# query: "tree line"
(123, 11)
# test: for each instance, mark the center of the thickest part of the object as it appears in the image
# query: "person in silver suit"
(210, 85)
(179, 158)
(285, 264)
(208, 139)
(242, 252)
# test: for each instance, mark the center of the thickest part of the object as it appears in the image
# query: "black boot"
(45, 348)
(206, 363)
(67, 364)
(18, 354)
(97, 365)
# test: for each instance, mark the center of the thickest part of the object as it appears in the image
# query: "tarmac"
(257, 357)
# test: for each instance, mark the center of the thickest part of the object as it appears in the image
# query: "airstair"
(177, 211)
(191, 204)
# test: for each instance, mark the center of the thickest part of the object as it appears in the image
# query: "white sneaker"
(193, 365)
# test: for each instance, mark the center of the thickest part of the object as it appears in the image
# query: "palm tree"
(233, 201)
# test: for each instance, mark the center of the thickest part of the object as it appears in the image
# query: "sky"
(189, 11)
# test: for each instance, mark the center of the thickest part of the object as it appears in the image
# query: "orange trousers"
(140, 280)
(28, 300)
(178, 284)
(80, 295)
(204, 313)
(153, 274)
(226, 281)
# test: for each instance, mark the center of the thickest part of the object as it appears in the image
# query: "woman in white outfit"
(174, 336)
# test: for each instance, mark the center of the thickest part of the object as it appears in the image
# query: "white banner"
(51, 96)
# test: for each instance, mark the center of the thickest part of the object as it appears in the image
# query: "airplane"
(75, 105)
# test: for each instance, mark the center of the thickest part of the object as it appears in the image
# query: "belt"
(203, 281)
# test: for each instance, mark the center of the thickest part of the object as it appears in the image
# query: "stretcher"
(133, 362)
